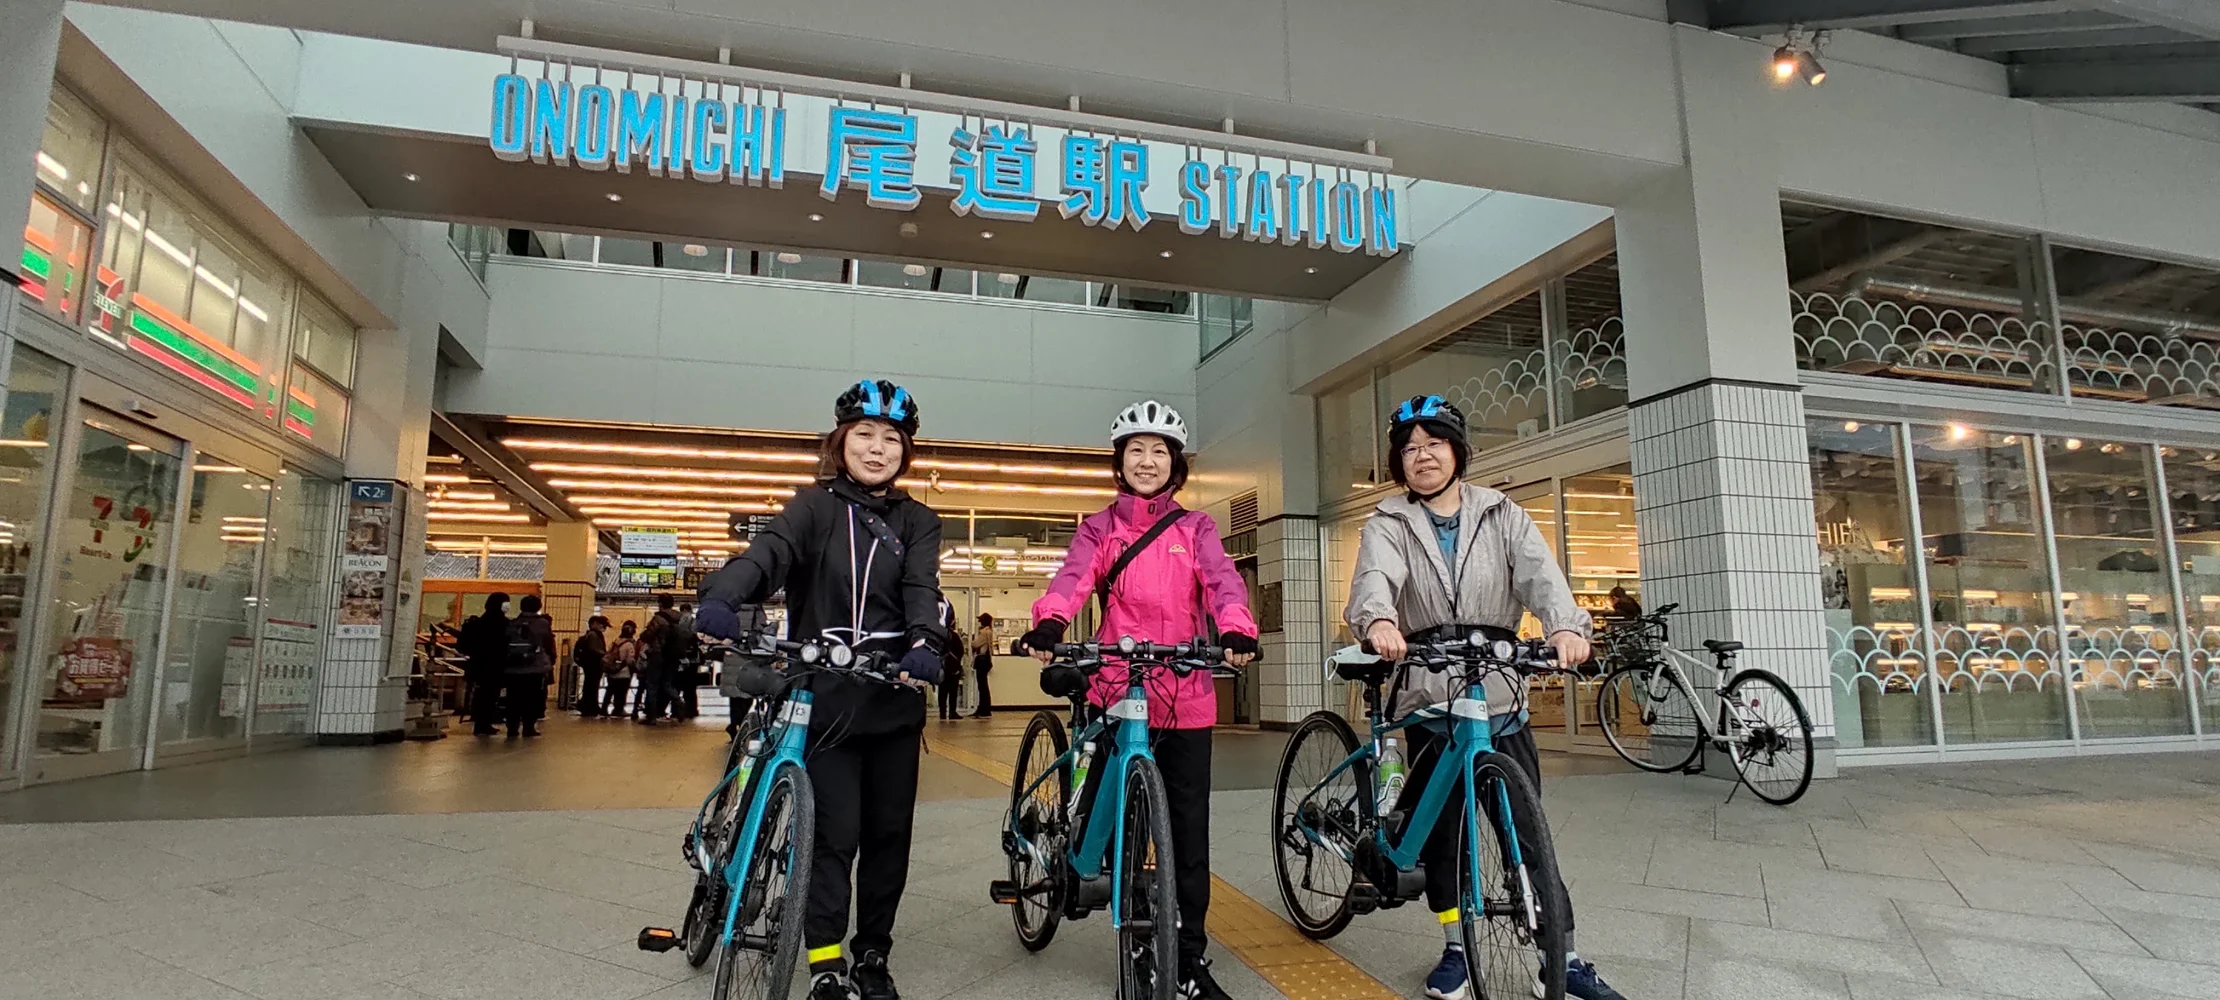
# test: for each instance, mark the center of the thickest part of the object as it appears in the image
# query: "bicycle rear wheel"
(1771, 743)
(1513, 918)
(1039, 818)
(1148, 934)
(1314, 878)
(759, 963)
(1654, 733)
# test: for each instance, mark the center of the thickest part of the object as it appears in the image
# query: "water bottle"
(1391, 773)
(1079, 778)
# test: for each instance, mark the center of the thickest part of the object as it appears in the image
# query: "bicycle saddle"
(1721, 646)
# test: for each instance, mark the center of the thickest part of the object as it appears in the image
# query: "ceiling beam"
(2123, 35)
(1747, 16)
(2036, 24)
(496, 461)
(2184, 80)
(2197, 17)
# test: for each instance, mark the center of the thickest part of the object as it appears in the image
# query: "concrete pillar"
(567, 584)
(30, 37)
(1722, 489)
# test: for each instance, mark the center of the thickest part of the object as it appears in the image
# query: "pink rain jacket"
(1161, 597)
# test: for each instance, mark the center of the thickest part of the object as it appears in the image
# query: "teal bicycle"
(754, 837)
(1077, 845)
(1341, 847)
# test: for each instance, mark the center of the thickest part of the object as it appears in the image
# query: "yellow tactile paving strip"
(1298, 967)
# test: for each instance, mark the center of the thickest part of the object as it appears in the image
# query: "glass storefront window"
(1590, 352)
(1141, 298)
(211, 643)
(2140, 330)
(915, 277)
(1602, 553)
(800, 267)
(325, 340)
(2193, 497)
(68, 158)
(1546, 692)
(1032, 288)
(303, 521)
(705, 258)
(1870, 295)
(30, 428)
(55, 246)
(316, 410)
(104, 619)
(1348, 441)
(1995, 645)
(1867, 590)
(1494, 369)
(2119, 601)
(180, 291)
(630, 253)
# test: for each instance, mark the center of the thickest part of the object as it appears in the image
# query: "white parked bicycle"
(1648, 711)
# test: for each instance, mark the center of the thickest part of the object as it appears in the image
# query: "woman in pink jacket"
(1163, 595)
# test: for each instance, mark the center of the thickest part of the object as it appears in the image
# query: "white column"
(30, 36)
(1722, 486)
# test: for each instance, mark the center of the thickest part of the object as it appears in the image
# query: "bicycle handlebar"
(1523, 657)
(812, 655)
(1180, 658)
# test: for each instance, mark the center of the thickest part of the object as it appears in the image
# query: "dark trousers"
(949, 693)
(485, 702)
(655, 691)
(1439, 855)
(526, 696)
(1183, 758)
(620, 691)
(685, 692)
(979, 669)
(589, 696)
(866, 804)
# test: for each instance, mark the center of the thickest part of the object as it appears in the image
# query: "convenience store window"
(185, 292)
(68, 158)
(316, 393)
(55, 245)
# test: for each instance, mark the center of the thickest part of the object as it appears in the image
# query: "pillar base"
(381, 737)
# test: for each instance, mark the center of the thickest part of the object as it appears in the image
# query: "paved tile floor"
(459, 870)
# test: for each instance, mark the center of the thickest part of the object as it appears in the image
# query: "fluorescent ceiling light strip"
(438, 515)
(674, 488)
(443, 477)
(465, 495)
(52, 165)
(658, 472)
(791, 457)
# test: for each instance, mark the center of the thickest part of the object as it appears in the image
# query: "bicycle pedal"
(1003, 891)
(658, 939)
(1363, 898)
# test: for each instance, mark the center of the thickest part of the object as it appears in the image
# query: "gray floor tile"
(1867, 918)
(2180, 939)
(530, 972)
(2026, 971)
(1759, 980)
(1712, 941)
(2099, 935)
(2125, 977)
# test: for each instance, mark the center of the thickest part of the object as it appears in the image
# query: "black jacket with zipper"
(816, 548)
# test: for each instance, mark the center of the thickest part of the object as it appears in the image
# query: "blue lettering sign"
(1321, 220)
(1262, 221)
(1194, 197)
(675, 142)
(1103, 181)
(551, 122)
(1291, 208)
(591, 143)
(512, 117)
(708, 161)
(876, 151)
(994, 174)
(639, 132)
(1379, 231)
(758, 145)
(1229, 199)
(1348, 218)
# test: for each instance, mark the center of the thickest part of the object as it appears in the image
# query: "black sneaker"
(1195, 982)
(831, 986)
(873, 981)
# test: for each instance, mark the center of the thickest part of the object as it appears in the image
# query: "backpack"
(524, 648)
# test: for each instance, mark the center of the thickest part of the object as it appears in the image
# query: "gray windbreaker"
(1502, 565)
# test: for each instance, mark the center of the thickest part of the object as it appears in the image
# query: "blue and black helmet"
(877, 400)
(1440, 417)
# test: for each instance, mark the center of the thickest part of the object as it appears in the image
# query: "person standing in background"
(592, 653)
(531, 659)
(685, 698)
(982, 662)
(624, 658)
(950, 688)
(484, 639)
(658, 660)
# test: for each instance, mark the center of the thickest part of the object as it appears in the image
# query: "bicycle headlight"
(1502, 649)
(842, 656)
(812, 652)
(1126, 645)
(1477, 639)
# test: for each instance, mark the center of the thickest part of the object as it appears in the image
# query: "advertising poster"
(647, 558)
(366, 560)
(94, 668)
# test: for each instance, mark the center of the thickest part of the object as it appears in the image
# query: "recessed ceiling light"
(1164, 253)
(790, 258)
(1011, 279)
(613, 196)
(411, 178)
(914, 270)
(1310, 270)
(694, 250)
(986, 234)
(814, 217)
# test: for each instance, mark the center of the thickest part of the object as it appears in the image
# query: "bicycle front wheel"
(1038, 822)
(1315, 878)
(1655, 732)
(1148, 934)
(705, 912)
(1513, 910)
(759, 963)
(1771, 736)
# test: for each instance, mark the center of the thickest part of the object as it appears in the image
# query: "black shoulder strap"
(1163, 524)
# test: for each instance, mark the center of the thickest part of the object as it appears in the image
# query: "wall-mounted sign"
(366, 559)
(647, 572)
(647, 542)
(674, 124)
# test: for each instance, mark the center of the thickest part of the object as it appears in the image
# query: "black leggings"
(866, 806)
(1440, 853)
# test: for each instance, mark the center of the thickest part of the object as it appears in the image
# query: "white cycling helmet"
(1150, 417)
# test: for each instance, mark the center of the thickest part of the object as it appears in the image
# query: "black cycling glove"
(1238, 644)
(1045, 636)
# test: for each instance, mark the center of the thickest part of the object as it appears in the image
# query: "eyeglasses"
(1415, 448)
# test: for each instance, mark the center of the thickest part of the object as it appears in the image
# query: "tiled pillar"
(1721, 481)
(30, 37)
(567, 583)
(1287, 674)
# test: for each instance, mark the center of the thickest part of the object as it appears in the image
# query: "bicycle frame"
(1673, 673)
(787, 737)
(1087, 854)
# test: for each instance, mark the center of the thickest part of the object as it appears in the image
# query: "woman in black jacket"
(853, 552)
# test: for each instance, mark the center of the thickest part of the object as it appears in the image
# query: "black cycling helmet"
(879, 400)
(1441, 418)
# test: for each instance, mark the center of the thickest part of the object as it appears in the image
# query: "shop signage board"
(366, 559)
(720, 124)
(94, 668)
(647, 558)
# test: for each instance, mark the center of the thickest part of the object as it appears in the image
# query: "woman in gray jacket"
(1442, 559)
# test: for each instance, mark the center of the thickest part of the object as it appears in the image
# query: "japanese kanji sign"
(992, 167)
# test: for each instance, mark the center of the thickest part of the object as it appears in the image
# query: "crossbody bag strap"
(1163, 524)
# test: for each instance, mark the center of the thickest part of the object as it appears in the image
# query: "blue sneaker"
(1447, 981)
(1582, 981)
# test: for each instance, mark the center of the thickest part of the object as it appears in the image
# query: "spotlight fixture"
(814, 217)
(1164, 253)
(1798, 57)
(613, 196)
(411, 178)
